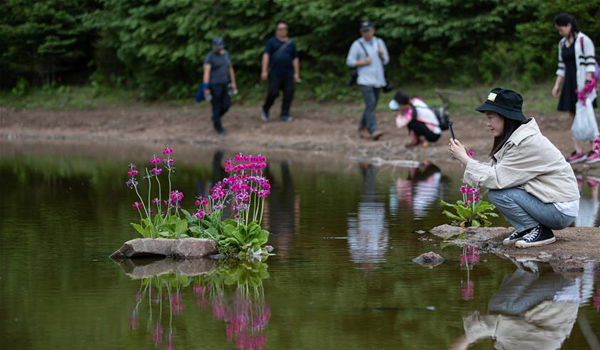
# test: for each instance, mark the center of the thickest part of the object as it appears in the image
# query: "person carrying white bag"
(577, 74)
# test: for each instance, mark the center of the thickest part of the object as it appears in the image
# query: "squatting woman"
(412, 112)
(529, 180)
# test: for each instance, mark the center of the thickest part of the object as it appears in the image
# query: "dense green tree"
(157, 46)
(42, 38)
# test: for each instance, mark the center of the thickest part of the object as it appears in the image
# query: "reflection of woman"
(527, 312)
(529, 180)
(576, 65)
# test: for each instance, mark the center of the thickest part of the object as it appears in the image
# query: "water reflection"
(282, 213)
(531, 310)
(233, 293)
(588, 206)
(420, 189)
(367, 229)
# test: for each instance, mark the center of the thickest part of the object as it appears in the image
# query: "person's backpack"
(442, 116)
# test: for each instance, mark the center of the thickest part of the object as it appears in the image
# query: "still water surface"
(342, 278)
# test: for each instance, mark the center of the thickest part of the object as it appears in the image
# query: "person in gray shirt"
(369, 55)
(218, 73)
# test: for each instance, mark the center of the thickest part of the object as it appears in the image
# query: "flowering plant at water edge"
(470, 211)
(231, 214)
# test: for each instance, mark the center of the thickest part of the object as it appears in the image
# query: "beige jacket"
(528, 160)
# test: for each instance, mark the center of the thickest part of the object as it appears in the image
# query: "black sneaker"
(515, 236)
(219, 129)
(538, 236)
(265, 116)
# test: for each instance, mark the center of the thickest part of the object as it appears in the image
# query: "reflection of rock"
(185, 248)
(193, 248)
(472, 233)
(430, 259)
(143, 268)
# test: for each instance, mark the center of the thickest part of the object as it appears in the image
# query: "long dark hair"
(510, 125)
(403, 98)
(564, 19)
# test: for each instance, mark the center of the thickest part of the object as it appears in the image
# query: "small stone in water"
(420, 232)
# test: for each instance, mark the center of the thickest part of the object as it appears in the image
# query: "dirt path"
(324, 128)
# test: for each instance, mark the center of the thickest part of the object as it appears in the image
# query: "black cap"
(218, 43)
(507, 103)
(365, 25)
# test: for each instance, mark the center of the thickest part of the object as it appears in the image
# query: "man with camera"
(369, 55)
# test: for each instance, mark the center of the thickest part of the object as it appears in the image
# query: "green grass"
(462, 100)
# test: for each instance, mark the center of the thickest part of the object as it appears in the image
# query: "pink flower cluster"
(470, 194)
(175, 199)
(167, 151)
(131, 173)
(156, 170)
(596, 299)
(137, 205)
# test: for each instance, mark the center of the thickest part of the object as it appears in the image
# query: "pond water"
(342, 278)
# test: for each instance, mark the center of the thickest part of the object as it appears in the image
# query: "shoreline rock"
(429, 260)
(184, 248)
(575, 246)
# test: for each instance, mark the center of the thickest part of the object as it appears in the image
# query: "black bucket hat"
(507, 103)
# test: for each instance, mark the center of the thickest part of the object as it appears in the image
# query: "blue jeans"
(371, 96)
(525, 211)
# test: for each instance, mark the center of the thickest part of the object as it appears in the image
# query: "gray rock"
(430, 259)
(446, 231)
(193, 248)
(269, 248)
(472, 233)
(144, 248)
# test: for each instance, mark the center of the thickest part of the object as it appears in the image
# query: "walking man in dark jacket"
(281, 67)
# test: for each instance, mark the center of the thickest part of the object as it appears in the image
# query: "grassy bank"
(462, 100)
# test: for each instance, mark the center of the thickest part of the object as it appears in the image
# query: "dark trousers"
(220, 102)
(420, 129)
(276, 84)
(371, 96)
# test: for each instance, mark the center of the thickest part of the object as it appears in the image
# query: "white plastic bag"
(584, 126)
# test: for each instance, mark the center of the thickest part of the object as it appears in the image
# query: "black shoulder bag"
(354, 70)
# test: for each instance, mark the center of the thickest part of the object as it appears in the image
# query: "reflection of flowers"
(597, 300)
(470, 256)
(244, 311)
(468, 291)
(468, 259)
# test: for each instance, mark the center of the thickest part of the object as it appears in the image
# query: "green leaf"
(138, 228)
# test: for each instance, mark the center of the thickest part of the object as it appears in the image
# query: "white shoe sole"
(582, 159)
(509, 243)
(592, 161)
(523, 244)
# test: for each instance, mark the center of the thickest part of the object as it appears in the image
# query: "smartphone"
(451, 130)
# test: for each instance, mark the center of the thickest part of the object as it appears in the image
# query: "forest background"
(155, 48)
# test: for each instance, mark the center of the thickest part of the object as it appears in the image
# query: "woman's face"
(563, 30)
(495, 122)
